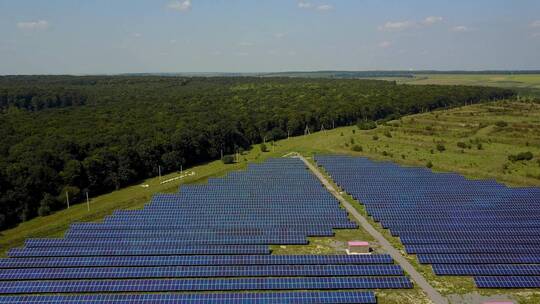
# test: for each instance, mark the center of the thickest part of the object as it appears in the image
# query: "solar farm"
(206, 243)
(460, 227)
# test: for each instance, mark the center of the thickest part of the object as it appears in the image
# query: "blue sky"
(120, 36)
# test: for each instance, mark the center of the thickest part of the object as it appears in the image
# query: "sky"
(170, 36)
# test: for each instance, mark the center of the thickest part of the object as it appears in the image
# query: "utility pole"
(288, 134)
(159, 172)
(221, 153)
(180, 169)
(87, 201)
(67, 199)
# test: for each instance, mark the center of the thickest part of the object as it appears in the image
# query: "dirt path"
(433, 294)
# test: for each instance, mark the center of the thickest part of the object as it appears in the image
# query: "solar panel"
(487, 270)
(366, 297)
(318, 283)
(211, 237)
(195, 260)
(138, 250)
(508, 282)
(200, 272)
(461, 226)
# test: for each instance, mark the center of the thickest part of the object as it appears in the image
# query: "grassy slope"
(412, 139)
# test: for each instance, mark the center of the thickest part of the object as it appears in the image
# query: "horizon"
(177, 36)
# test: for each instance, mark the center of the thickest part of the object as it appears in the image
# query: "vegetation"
(471, 124)
(228, 159)
(95, 134)
(521, 156)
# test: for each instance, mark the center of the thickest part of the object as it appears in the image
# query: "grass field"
(528, 85)
(487, 134)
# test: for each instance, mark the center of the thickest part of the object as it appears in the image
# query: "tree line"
(101, 133)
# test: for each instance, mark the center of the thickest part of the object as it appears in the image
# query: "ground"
(487, 134)
(528, 85)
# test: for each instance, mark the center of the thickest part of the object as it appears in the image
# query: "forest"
(95, 134)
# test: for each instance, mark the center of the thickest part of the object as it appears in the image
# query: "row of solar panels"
(212, 238)
(461, 226)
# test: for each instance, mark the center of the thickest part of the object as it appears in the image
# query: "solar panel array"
(205, 238)
(462, 227)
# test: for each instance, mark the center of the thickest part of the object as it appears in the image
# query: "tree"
(46, 205)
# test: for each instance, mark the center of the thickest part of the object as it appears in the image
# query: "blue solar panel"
(465, 227)
(487, 270)
(508, 282)
(200, 272)
(319, 283)
(211, 237)
(365, 297)
(195, 260)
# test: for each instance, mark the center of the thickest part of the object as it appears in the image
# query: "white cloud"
(242, 54)
(181, 6)
(33, 25)
(304, 4)
(396, 26)
(136, 35)
(173, 41)
(535, 35)
(385, 44)
(535, 23)
(324, 7)
(279, 35)
(432, 20)
(460, 29)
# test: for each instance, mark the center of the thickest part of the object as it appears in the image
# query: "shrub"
(388, 134)
(501, 124)
(429, 164)
(341, 134)
(353, 131)
(479, 146)
(46, 205)
(375, 137)
(228, 159)
(441, 148)
(521, 156)
(352, 141)
(357, 148)
(366, 125)
(264, 148)
(462, 145)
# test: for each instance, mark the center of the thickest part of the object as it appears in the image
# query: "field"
(473, 140)
(528, 85)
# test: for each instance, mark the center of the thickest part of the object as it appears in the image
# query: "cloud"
(396, 26)
(324, 7)
(535, 23)
(33, 25)
(279, 35)
(304, 4)
(460, 29)
(181, 6)
(431, 20)
(385, 44)
(136, 35)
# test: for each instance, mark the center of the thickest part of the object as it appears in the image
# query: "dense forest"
(63, 134)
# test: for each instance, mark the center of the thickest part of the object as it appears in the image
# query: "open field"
(486, 143)
(528, 85)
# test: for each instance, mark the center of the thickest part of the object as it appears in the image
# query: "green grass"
(528, 85)
(408, 141)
